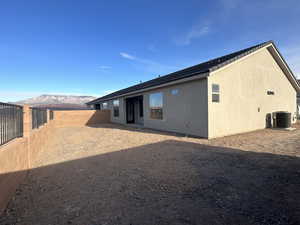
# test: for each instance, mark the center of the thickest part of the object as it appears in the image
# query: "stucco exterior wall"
(244, 103)
(121, 119)
(184, 113)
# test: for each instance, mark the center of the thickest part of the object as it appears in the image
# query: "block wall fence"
(81, 117)
(17, 157)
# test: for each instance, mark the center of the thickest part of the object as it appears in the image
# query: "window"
(174, 91)
(104, 105)
(156, 106)
(215, 93)
(215, 98)
(141, 109)
(215, 88)
(116, 108)
(97, 106)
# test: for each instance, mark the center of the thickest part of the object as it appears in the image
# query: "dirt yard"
(115, 175)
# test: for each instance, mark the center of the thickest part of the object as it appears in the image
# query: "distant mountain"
(58, 101)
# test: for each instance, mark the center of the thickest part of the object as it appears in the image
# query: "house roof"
(201, 68)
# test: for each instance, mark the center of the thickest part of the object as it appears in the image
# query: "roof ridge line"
(204, 67)
(262, 45)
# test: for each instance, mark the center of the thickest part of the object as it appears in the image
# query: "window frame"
(97, 106)
(215, 97)
(156, 112)
(141, 108)
(116, 108)
(106, 105)
(215, 93)
(175, 91)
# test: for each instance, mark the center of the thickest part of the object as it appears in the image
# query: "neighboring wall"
(185, 112)
(18, 156)
(244, 103)
(81, 117)
(14, 164)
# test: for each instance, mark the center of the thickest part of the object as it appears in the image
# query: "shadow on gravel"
(170, 182)
(141, 129)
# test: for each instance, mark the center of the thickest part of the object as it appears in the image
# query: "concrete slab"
(285, 129)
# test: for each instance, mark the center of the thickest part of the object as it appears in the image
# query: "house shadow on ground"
(169, 182)
(139, 129)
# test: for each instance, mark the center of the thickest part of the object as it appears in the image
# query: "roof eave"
(206, 73)
(295, 83)
(268, 44)
(221, 65)
(191, 77)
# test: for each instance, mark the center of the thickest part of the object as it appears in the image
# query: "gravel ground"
(116, 175)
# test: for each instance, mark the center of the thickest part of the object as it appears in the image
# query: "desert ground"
(111, 174)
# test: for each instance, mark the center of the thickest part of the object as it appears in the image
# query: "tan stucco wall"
(122, 114)
(243, 92)
(184, 113)
(81, 117)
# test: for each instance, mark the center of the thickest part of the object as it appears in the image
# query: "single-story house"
(231, 94)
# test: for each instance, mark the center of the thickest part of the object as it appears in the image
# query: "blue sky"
(95, 47)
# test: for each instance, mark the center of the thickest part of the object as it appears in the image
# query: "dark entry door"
(130, 111)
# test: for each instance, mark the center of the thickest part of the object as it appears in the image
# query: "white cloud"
(105, 67)
(149, 65)
(195, 32)
(127, 56)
